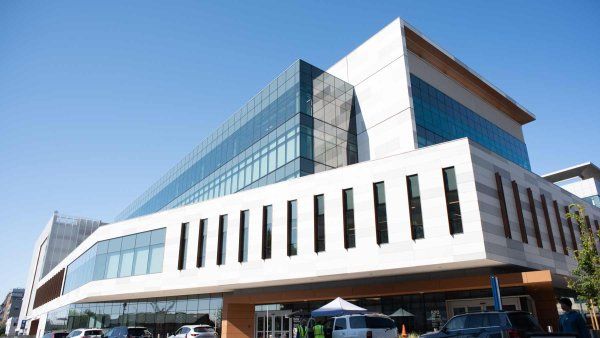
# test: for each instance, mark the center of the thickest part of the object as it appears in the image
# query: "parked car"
(56, 334)
(85, 333)
(363, 326)
(127, 332)
(196, 331)
(495, 324)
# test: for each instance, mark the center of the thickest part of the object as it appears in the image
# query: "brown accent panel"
(464, 76)
(571, 230)
(502, 200)
(34, 327)
(563, 241)
(536, 225)
(548, 223)
(432, 284)
(237, 320)
(545, 304)
(49, 290)
(519, 207)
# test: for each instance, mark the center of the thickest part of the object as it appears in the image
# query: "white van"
(364, 326)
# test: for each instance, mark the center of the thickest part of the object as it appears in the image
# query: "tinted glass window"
(379, 323)
(475, 320)
(523, 321)
(93, 332)
(456, 323)
(60, 335)
(204, 329)
(362, 322)
(357, 322)
(136, 332)
(340, 324)
(185, 330)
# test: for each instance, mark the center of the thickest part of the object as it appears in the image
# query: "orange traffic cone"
(404, 335)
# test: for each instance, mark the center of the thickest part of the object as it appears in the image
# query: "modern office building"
(397, 179)
(11, 306)
(10, 310)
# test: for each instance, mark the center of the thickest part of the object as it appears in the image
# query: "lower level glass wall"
(419, 313)
(161, 316)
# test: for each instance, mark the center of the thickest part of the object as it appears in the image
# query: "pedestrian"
(319, 330)
(572, 321)
(301, 329)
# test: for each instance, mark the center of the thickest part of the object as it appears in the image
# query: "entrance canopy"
(337, 307)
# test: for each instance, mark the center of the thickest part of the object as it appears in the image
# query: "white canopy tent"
(337, 307)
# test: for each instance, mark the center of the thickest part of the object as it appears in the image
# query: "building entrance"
(272, 324)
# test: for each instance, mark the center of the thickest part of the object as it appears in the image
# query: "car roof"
(198, 325)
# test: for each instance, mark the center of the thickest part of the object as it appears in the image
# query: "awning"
(401, 313)
(337, 307)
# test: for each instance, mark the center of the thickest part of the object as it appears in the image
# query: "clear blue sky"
(99, 99)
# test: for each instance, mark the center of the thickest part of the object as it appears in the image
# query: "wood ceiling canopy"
(453, 69)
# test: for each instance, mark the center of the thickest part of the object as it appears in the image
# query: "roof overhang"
(456, 70)
(583, 171)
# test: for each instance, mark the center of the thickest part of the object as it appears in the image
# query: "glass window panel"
(158, 236)
(112, 267)
(128, 242)
(126, 263)
(141, 261)
(156, 258)
(142, 239)
(114, 245)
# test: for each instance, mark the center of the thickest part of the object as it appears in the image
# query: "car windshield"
(368, 322)
(204, 329)
(136, 331)
(524, 321)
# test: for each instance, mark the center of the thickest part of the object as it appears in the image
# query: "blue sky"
(99, 99)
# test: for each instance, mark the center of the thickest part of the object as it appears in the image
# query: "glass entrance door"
(272, 324)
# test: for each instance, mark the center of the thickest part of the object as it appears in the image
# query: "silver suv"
(363, 326)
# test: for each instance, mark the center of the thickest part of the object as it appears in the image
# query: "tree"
(585, 280)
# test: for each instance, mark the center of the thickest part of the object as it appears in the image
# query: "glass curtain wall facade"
(301, 123)
(132, 255)
(439, 118)
(159, 315)
(65, 235)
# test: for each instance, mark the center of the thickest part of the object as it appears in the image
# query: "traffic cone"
(404, 335)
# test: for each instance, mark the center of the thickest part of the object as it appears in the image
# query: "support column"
(237, 320)
(545, 305)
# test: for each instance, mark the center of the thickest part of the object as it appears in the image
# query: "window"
(201, 243)
(183, 237)
(222, 240)
(452, 203)
(266, 231)
(349, 232)
(414, 207)
(292, 228)
(319, 212)
(456, 323)
(243, 241)
(381, 231)
(340, 324)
